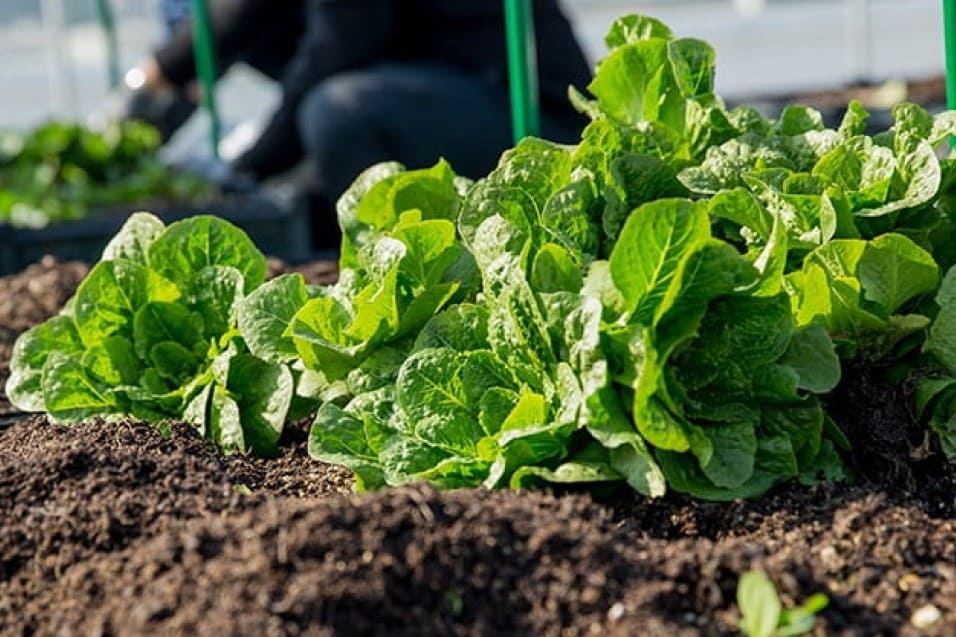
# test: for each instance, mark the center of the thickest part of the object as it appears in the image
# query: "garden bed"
(693, 300)
(112, 529)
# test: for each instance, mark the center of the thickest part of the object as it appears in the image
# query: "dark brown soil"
(891, 446)
(111, 529)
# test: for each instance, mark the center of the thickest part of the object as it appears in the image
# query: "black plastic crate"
(279, 227)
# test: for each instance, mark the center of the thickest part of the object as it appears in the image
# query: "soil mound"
(113, 529)
(417, 562)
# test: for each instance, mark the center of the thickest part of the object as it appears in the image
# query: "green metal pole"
(949, 27)
(523, 68)
(205, 54)
(112, 47)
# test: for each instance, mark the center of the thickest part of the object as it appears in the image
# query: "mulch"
(113, 529)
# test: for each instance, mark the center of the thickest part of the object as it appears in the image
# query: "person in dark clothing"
(260, 33)
(403, 80)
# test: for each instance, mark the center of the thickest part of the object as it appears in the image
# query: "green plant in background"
(61, 171)
(762, 613)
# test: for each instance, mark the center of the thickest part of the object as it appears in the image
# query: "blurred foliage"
(62, 171)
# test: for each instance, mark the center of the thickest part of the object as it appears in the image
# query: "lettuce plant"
(400, 272)
(855, 289)
(719, 377)
(829, 183)
(493, 391)
(152, 333)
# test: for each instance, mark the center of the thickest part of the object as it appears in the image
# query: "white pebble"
(616, 612)
(925, 616)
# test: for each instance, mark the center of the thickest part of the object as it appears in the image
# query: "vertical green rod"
(108, 25)
(204, 52)
(949, 34)
(949, 28)
(522, 68)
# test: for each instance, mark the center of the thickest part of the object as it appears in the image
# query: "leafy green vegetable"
(828, 183)
(153, 333)
(660, 83)
(490, 394)
(707, 361)
(377, 198)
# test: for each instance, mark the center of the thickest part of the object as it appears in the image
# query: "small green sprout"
(763, 614)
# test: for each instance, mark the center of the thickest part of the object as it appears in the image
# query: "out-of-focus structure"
(54, 56)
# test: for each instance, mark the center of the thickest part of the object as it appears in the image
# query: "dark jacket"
(468, 35)
(262, 33)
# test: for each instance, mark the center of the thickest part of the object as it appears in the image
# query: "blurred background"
(54, 61)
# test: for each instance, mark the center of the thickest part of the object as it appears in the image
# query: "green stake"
(108, 25)
(949, 30)
(205, 55)
(522, 68)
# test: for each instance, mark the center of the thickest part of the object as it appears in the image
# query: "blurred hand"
(167, 110)
(150, 97)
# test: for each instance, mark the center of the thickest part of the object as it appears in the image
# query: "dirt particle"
(925, 616)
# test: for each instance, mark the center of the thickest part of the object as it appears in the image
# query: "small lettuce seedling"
(763, 614)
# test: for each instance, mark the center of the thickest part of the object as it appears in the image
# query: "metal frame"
(522, 69)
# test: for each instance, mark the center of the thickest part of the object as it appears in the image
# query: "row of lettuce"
(662, 303)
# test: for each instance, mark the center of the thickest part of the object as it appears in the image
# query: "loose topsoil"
(112, 529)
